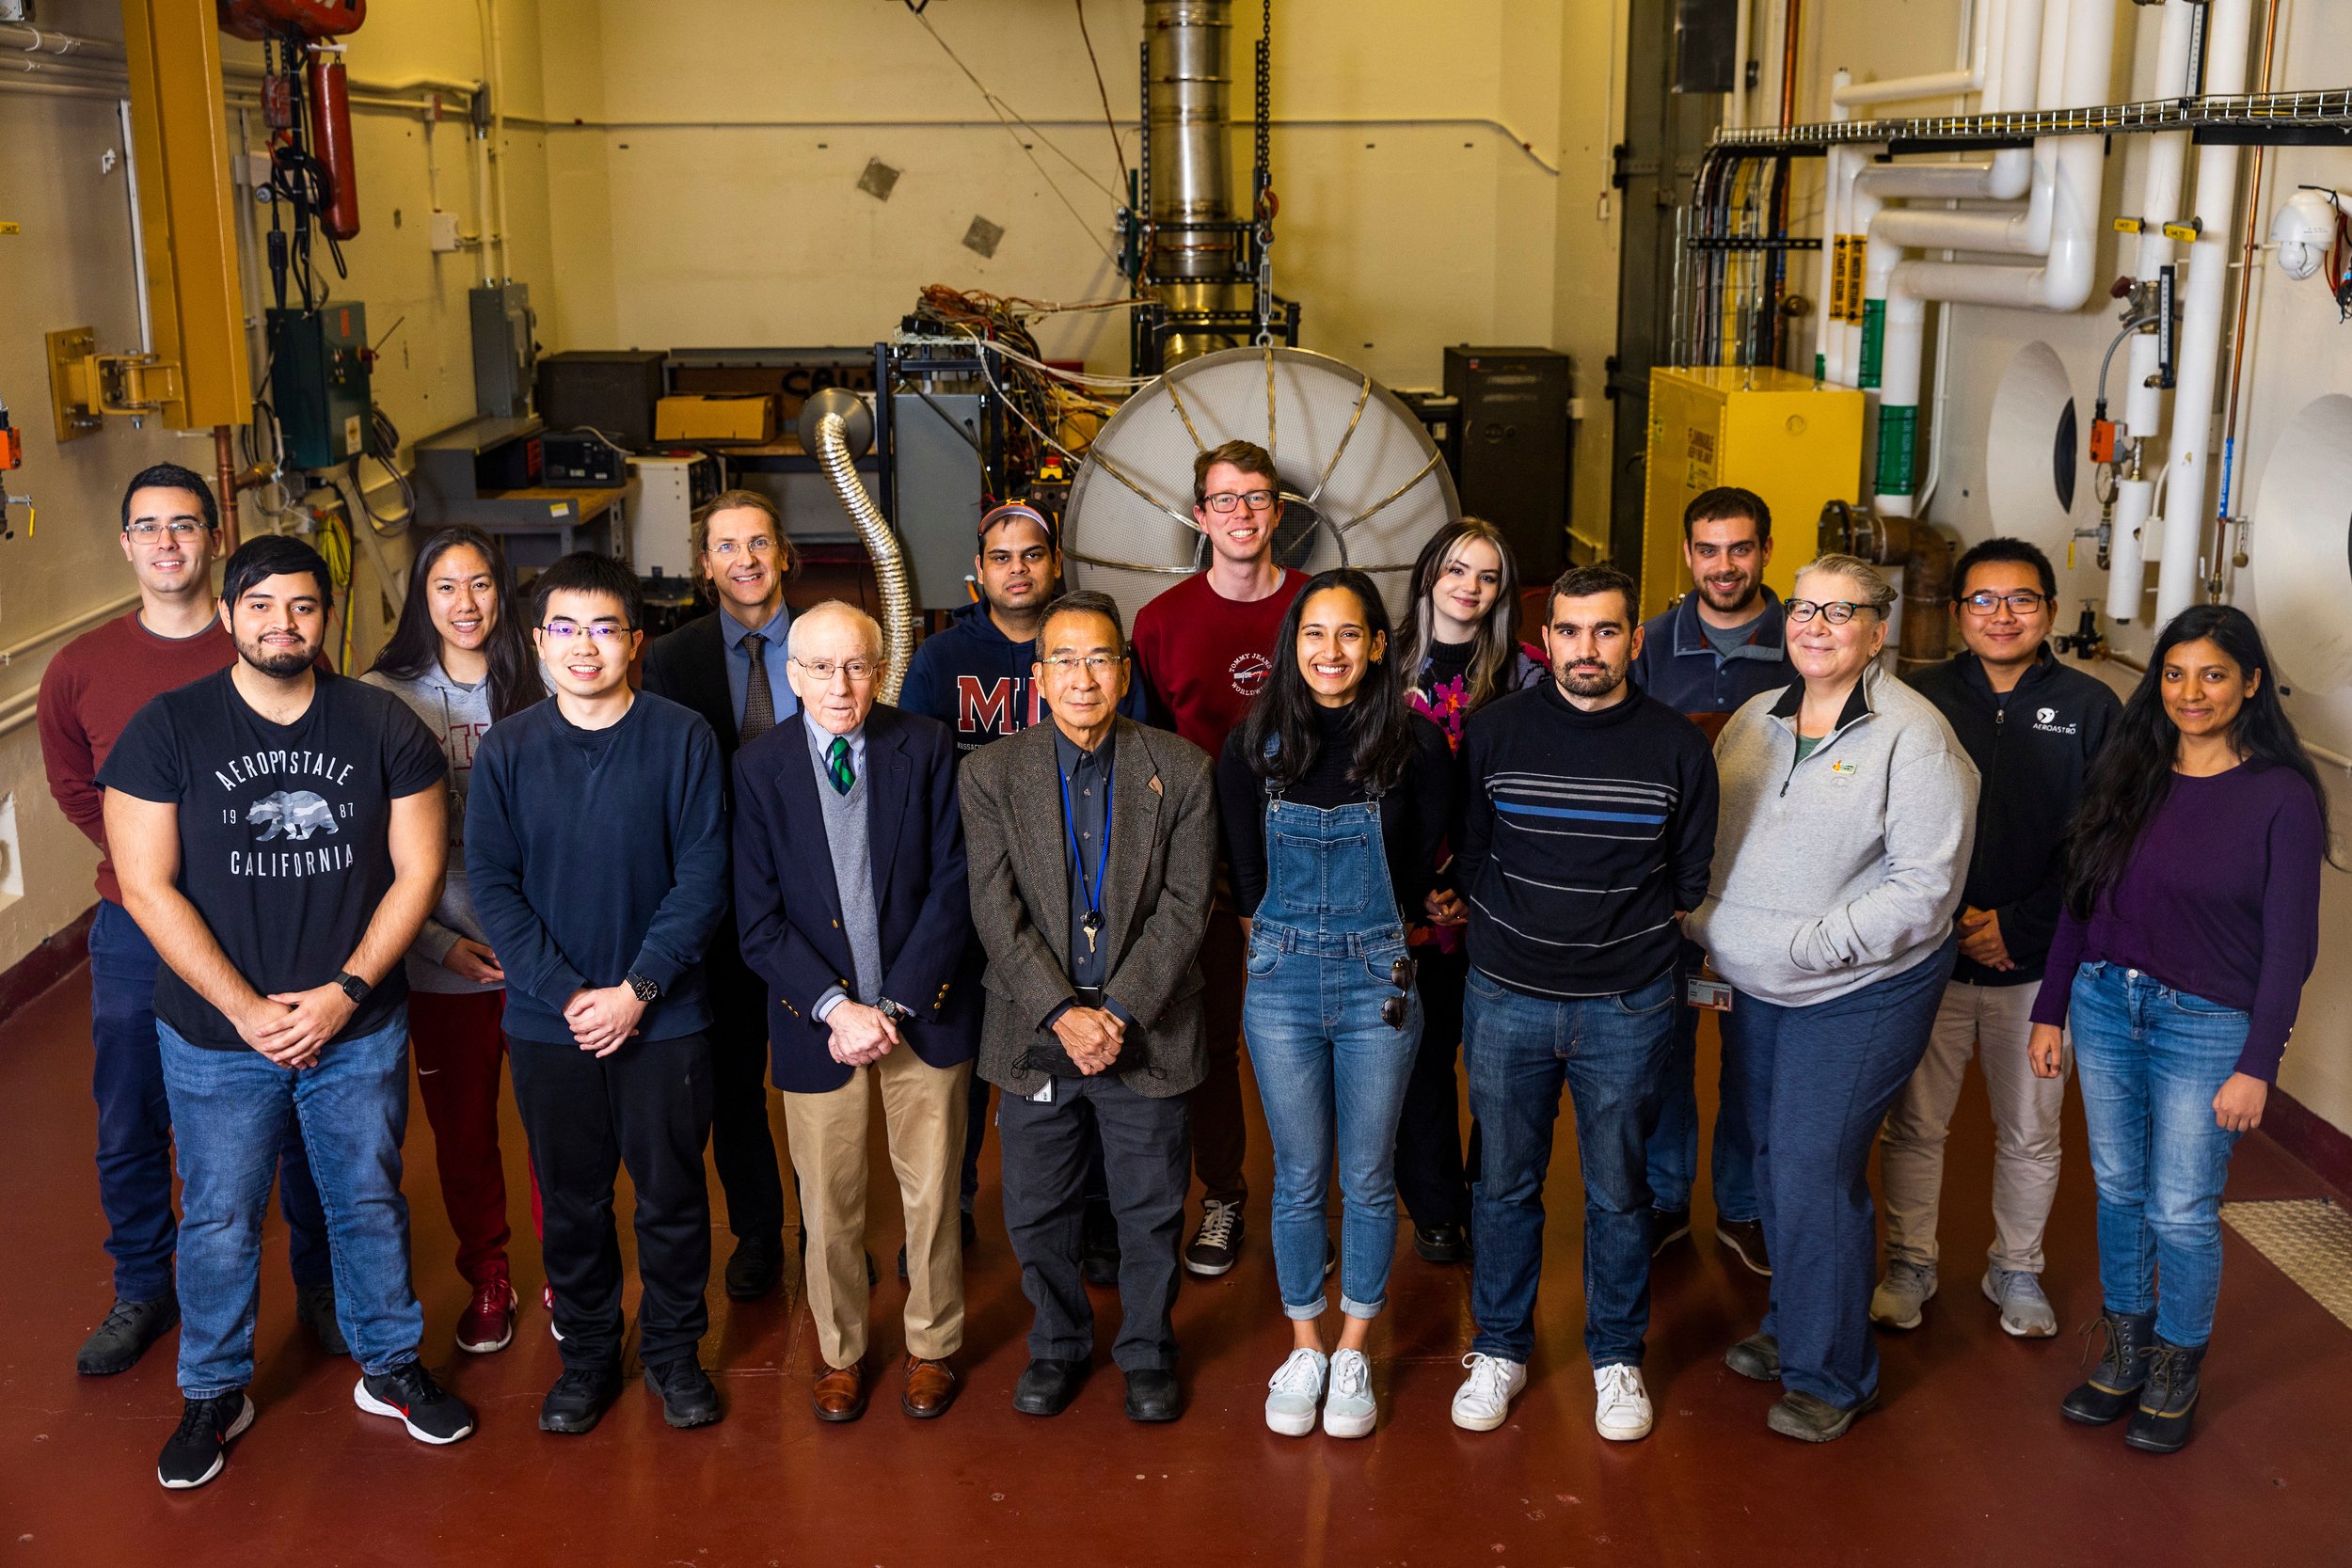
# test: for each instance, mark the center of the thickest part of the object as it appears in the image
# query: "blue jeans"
(1818, 1083)
(232, 1110)
(1331, 1073)
(2149, 1060)
(1611, 1050)
(134, 1124)
(1674, 1148)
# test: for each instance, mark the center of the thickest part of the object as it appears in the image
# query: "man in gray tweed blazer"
(1093, 846)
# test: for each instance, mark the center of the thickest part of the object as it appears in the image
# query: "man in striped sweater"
(1589, 823)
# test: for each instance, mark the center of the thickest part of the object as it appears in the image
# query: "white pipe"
(67, 628)
(49, 41)
(2227, 26)
(497, 78)
(1942, 83)
(1742, 40)
(138, 227)
(2130, 545)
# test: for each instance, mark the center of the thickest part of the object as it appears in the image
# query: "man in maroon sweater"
(1205, 647)
(170, 529)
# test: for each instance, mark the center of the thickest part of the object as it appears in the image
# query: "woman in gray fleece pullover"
(1849, 810)
(459, 659)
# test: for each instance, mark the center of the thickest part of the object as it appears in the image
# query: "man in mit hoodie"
(973, 677)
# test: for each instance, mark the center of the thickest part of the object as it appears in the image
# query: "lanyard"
(1093, 889)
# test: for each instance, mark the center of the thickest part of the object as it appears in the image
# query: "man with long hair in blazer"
(1092, 843)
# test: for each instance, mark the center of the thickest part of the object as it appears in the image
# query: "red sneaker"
(546, 1299)
(487, 1322)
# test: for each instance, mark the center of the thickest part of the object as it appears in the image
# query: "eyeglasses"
(859, 671)
(602, 633)
(1225, 500)
(144, 530)
(1401, 976)
(727, 550)
(1836, 612)
(2022, 602)
(1097, 664)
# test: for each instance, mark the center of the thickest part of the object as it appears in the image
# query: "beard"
(1588, 682)
(280, 664)
(1734, 600)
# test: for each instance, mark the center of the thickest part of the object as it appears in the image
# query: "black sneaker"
(578, 1400)
(408, 1395)
(1216, 1246)
(756, 1265)
(1666, 1227)
(131, 1326)
(1441, 1243)
(1745, 1238)
(200, 1448)
(314, 1308)
(688, 1397)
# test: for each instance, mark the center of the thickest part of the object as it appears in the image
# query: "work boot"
(2116, 1381)
(2167, 1401)
(129, 1327)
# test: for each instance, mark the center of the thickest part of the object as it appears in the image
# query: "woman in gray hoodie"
(1848, 812)
(460, 659)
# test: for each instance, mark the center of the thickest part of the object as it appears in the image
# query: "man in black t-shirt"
(279, 834)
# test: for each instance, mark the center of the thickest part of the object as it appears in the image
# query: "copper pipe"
(1789, 62)
(230, 482)
(2245, 295)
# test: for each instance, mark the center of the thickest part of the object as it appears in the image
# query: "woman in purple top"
(2191, 923)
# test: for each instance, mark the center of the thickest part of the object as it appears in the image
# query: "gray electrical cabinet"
(938, 491)
(505, 357)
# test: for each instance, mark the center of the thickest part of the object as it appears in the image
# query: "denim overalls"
(1331, 1071)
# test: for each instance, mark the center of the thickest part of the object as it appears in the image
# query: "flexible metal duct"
(833, 423)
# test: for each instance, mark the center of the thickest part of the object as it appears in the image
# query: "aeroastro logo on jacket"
(2045, 720)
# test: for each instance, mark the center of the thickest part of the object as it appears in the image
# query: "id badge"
(1709, 994)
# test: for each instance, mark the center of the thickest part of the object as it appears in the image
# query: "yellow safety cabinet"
(1790, 439)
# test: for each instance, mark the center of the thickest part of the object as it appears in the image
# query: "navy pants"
(1818, 1083)
(135, 1125)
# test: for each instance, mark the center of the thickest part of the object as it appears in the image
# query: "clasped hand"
(603, 1018)
(292, 1027)
(860, 1034)
(1091, 1037)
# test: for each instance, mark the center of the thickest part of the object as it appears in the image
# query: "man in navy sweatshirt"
(1588, 829)
(598, 857)
(974, 676)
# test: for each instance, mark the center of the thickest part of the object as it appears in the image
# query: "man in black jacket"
(2031, 726)
(730, 666)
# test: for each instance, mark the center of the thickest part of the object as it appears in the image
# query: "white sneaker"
(1483, 1399)
(1350, 1411)
(1295, 1391)
(1621, 1411)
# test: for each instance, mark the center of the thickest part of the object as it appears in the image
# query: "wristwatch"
(642, 989)
(352, 986)
(894, 1011)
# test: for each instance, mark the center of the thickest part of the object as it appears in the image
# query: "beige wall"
(71, 265)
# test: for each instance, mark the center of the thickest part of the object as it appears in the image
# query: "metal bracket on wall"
(85, 385)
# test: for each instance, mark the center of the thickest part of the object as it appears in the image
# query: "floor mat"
(2310, 1239)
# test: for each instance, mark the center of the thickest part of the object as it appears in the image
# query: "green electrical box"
(318, 382)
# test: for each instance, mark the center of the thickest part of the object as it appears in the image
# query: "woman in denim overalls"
(1333, 797)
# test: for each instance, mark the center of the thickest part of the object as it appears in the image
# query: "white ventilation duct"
(2303, 572)
(1362, 484)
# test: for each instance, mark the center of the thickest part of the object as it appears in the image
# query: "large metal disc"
(1364, 486)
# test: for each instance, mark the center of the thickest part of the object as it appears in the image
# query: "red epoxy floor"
(1968, 1461)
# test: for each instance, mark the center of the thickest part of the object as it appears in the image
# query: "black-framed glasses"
(2023, 602)
(1225, 500)
(1836, 611)
(1401, 975)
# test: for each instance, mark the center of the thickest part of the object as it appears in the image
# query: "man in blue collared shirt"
(744, 560)
(1720, 645)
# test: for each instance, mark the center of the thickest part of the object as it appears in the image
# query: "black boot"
(2169, 1403)
(2116, 1381)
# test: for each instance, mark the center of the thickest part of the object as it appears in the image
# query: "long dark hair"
(1379, 722)
(1497, 640)
(415, 645)
(2134, 772)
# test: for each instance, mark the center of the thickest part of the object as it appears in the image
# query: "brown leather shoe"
(840, 1394)
(931, 1389)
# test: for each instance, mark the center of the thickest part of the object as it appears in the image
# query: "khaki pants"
(923, 1113)
(2025, 1114)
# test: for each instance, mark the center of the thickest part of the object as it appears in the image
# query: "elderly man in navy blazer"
(850, 887)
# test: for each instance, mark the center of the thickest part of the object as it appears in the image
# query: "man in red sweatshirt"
(1205, 648)
(171, 529)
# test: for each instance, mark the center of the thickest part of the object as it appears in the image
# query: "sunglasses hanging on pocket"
(1401, 975)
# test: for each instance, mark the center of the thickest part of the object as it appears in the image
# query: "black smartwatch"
(352, 986)
(642, 989)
